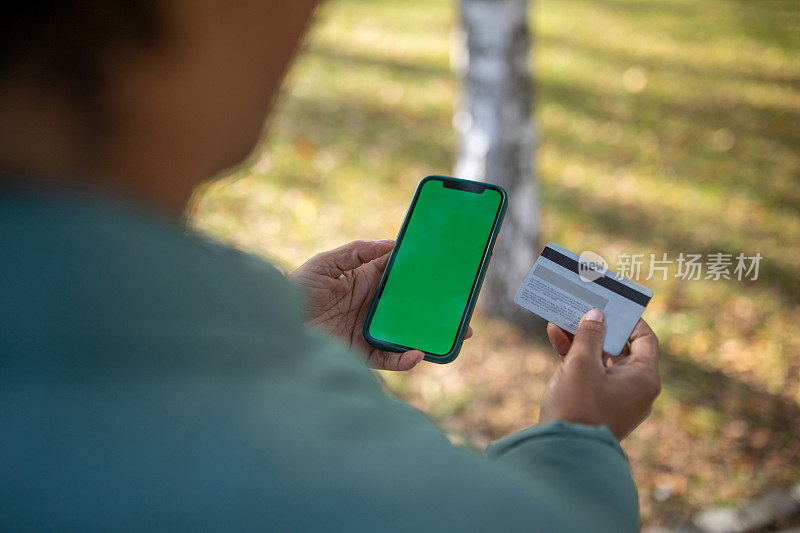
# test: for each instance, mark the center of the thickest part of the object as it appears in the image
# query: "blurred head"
(146, 97)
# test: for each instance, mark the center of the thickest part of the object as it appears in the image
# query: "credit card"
(563, 286)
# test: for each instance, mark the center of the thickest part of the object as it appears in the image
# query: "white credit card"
(563, 286)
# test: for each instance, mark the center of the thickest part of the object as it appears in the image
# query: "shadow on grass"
(347, 59)
(698, 385)
(775, 418)
(674, 65)
(680, 128)
(774, 23)
(357, 127)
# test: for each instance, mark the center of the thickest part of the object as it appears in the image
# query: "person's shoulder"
(85, 266)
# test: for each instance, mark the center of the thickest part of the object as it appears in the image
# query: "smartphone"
(431, 282)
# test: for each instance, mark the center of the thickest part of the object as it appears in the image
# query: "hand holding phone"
(337, 288)
(431, 283)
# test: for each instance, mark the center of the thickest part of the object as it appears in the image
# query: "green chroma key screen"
(438, 259)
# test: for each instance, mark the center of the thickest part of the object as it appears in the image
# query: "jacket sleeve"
(579, 464)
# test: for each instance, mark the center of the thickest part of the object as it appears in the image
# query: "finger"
(612, 360)
(626, 350)
(587, 345)
(644, 344)
(380, 263)
(469, 333)
(559, 339)
(399, 361)
(351, 256)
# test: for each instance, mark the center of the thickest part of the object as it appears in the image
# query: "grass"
(665, 127)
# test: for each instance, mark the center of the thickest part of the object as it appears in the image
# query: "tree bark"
(491, 54)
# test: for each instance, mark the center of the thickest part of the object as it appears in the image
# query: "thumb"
(351, 256)
(587, 346)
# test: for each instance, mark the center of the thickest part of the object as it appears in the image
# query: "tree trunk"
(491, 54)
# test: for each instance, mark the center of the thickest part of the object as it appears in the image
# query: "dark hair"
(64, 44)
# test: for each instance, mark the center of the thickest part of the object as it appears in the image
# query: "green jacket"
(153, 380)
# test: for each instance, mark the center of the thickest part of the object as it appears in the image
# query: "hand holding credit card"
(563, 286)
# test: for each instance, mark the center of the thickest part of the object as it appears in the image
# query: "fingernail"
(595, 315)
(385, 240)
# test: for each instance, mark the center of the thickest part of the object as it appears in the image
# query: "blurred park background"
(663, 127)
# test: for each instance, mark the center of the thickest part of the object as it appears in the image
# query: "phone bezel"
(451, 183)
